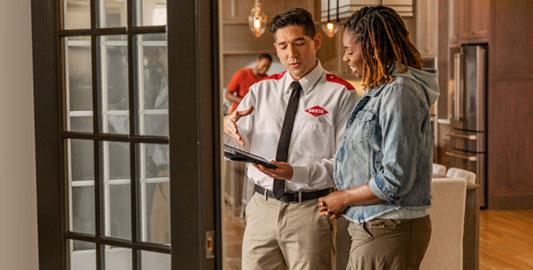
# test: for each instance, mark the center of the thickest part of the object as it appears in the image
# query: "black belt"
(296, 196)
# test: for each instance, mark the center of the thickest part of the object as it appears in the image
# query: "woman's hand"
(332, 205)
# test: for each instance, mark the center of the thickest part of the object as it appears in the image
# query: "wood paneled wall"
(510, 105)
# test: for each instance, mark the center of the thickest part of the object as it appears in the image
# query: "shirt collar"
(307, 82)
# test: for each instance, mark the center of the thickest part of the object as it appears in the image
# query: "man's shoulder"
(274, 77)
(337, 82)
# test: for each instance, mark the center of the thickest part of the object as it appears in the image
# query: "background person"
(241, 81)
(383, 165)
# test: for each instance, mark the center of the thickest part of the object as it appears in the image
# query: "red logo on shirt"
(316, 111)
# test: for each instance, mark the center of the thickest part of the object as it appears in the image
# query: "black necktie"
(282, 153)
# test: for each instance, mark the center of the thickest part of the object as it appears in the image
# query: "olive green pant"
(389, 243)
(280, 235)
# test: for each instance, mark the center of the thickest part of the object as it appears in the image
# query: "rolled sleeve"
(380, 188)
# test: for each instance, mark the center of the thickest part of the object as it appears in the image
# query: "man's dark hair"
(265, 56)
(295, 16)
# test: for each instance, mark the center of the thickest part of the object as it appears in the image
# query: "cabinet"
(469, 21)
(426, 27)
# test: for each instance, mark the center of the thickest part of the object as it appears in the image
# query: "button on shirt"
(323, 109)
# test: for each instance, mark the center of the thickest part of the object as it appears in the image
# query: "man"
(242, 80)
(295, 117)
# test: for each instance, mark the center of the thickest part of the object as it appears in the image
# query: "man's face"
(295, 50)
(262, 65)
(353, 53)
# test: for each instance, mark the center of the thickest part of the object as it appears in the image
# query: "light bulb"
(330, 29)
(257, 20)
(257, 23)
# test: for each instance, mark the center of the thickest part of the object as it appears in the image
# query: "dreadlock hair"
(385, 42)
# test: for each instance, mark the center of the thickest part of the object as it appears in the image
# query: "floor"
(506, 240)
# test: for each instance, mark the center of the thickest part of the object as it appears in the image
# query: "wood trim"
(193, 105)
(510, 202)
(48, 139)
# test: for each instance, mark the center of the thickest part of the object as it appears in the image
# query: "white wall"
(18, 206)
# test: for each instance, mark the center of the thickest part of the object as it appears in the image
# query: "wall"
(18, 206)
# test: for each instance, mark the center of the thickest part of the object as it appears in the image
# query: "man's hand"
(332, 205)
(230, 123)
(284, 170)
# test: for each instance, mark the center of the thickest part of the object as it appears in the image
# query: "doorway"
(121, 183)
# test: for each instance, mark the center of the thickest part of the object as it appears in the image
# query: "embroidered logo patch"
(316, 111)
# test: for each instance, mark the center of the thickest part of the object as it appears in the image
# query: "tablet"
(236, 154)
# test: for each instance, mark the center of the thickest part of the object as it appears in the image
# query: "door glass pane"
(114, 83)
(154, 261)
(81, 160)
(117, 202)
(81, 185)
(78, 82)
(151, 12)
(77, 14)
(82, 255)
(113, 13)
(152, 84)
(155, 193)
(117, 258)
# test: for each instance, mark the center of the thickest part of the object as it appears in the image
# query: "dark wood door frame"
(193, 132)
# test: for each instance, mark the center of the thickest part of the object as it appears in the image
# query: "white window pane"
(82, 255)
(82, 214)
(113, 13)
(81, 158)
(151, 12)
(155, 261)
(77, 14)
(117, 258)
(119, 224)
(119, 160)
(78, 82)
(114, 83)
(155, 193)
(152, 84)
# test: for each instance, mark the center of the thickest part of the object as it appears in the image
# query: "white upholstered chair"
(445, 250)
(469, 176)
(439, 169)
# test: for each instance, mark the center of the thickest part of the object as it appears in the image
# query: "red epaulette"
(333, 78)
(274, 76)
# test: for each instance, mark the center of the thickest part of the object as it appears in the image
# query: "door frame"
(193, 132)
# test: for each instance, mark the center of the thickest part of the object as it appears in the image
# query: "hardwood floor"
(506, 240)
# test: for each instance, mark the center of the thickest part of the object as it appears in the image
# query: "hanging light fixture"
(257, 19)
(330, 28)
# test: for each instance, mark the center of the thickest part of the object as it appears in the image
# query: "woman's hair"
(385, 42)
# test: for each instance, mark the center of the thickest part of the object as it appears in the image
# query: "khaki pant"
(388, 243)
(281, 235)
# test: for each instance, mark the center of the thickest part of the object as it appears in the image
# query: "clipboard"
(236, 154)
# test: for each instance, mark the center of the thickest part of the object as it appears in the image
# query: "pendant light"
(330, 28)
(257, 19)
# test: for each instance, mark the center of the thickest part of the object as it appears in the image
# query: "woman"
(383, 164)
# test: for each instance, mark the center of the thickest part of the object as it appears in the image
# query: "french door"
(126, 133)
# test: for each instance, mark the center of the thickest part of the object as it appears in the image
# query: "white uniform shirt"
(323, 109)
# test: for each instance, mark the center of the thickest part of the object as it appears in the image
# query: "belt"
(296, 196)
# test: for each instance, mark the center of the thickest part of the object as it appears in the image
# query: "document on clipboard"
(236, 154)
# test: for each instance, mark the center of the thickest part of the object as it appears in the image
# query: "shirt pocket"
(314, 139)
(365, 128)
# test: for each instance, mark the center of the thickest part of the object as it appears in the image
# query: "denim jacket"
(388, 144)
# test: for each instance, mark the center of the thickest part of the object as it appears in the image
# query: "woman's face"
(353, 53)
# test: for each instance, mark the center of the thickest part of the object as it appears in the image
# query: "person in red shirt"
(245, 77)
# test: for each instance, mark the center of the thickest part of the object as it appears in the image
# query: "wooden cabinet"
(469, 21)
(426, 27)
